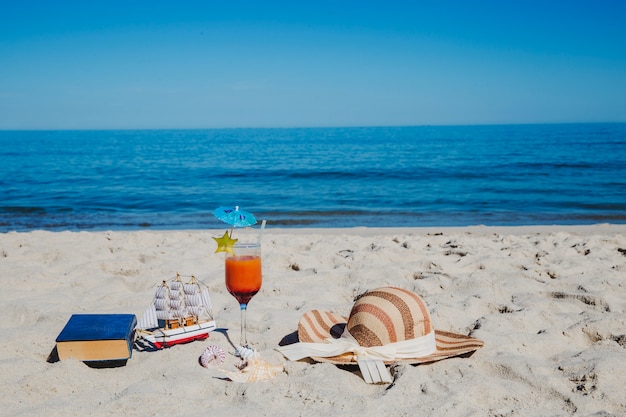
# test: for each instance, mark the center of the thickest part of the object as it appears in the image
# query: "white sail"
(179, 313)
(161, 304)
(164, 315)
(149, 319)
(162, 292)
(199, 311)
(176, 304)
(193, 300)
(176, 295)
(191, 288)
(206, 300)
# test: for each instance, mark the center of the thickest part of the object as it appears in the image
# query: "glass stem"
(243, 339)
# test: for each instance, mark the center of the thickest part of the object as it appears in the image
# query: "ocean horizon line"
(376, 126)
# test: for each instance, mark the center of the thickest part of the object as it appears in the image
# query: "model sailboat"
(180, 312)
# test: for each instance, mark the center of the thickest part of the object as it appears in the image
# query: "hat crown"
(388, 315)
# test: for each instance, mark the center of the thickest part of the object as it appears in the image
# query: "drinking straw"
(261, 231)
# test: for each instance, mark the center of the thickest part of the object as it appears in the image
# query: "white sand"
(549, 302)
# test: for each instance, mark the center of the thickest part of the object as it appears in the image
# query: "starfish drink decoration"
(225, 243)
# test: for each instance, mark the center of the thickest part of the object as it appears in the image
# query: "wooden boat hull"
(162, 338)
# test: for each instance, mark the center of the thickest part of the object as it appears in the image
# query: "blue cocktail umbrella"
(235, 216)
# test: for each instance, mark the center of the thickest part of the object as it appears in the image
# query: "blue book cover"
(83, 327)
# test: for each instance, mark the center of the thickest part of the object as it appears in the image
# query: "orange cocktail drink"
(243, 276)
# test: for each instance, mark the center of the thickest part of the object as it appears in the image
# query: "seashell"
(212, 356)
(244, 352)
(255, 369)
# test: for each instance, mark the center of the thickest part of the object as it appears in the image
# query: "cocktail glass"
(243, 279)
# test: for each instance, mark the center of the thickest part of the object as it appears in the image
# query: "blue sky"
(204, 64)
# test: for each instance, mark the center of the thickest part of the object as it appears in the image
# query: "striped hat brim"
(316, 326)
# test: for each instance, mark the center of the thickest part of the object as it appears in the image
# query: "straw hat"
(386, 325)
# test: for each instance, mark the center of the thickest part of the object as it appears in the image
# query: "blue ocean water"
(314, 177)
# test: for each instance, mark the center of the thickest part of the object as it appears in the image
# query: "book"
(97, 337)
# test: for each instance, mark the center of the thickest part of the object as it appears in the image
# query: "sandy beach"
(548, 302)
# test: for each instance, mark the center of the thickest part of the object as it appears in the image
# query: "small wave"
(22, 210)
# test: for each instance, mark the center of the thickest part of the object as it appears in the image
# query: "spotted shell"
(212, 356)
(254, 369)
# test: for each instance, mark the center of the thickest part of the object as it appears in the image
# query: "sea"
(420, 176)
